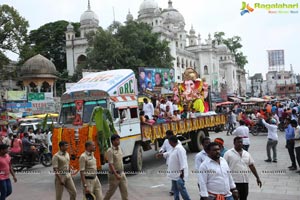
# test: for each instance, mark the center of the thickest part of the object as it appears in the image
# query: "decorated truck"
(104, 103)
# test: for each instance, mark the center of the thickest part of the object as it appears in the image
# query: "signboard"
(16, 96)
(154, 79)
(41, 107)
(276, 60)
(18, 105)
(36, 96)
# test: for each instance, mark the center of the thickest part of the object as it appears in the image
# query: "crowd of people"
(161, 110)
(222, 173)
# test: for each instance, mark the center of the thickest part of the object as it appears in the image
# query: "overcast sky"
(259, 30)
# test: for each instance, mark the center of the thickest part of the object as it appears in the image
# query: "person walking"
(272, 139)
(297, 145)
(116, 176)
(167, 148)
(177, 168)
(230, 123)
(290, 142)
(88, 171)
(223, 150)
(5, 170)
(214, 176)
(243, 132)
(61, 167)
(239, 160)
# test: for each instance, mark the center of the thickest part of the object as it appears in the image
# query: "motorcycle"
(258, 128)
(21, 161)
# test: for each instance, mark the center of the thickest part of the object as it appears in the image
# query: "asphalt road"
(278, 181)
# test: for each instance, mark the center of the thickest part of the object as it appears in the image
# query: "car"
(24, 126)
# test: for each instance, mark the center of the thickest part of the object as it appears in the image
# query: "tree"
(13, 32)
(49, 40)
(127, 46)
(234, 45)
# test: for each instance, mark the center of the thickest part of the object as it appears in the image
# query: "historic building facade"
(215, 63)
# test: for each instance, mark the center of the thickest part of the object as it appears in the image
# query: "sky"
(260, 31)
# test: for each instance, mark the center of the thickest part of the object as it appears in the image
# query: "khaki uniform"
(61, 161)
(88, 164)
(115, 157)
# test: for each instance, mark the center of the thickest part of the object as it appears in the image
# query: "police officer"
(88, 171)
(63, 178)
(116, 176)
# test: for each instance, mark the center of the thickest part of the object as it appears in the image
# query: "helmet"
(89, 196)
(273, 121)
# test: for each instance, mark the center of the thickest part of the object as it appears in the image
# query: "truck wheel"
(137, 158)
(195, 143)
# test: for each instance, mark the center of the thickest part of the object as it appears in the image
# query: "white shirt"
(272, 130)
(243, 132)
(32, 135)
(199, 158)
(40, 137)
(239, 165)
(177, 162)
(215, 178)
(166, 148)
(297, 136)
(170, 104)
(49, 141)
(148, 109)
(175, 107)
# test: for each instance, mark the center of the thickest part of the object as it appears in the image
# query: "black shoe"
(298, 172)
(293, 168)
(171, 193)
(268, 160)
(275, 161)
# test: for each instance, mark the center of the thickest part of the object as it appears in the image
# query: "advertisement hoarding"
(16, 96)
(155, 80)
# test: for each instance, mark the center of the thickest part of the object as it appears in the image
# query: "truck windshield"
(67, 114)
(89, 107)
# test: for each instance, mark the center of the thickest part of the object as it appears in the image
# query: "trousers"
(114, 183)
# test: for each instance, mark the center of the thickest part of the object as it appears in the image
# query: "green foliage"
(104, 125)
(49, 40)
(13, 32)
(234, 45)
(127, 46)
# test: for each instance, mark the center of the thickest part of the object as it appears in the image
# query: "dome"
(192, 31)
(38, 66)
(129, 17)
(172, 16)
(89, 17)
(222, 47)
(70, 27)
(148, 6)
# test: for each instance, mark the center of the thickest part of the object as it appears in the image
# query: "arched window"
(221, 58)
(81, 60)
(186, 63)
(178, 62)
(182, 63)
(191, 65)
(205, 70)
(46, 87)
(33, 87)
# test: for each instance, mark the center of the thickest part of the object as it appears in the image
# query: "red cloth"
(4, 167)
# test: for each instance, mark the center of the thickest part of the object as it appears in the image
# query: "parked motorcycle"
(21, 161)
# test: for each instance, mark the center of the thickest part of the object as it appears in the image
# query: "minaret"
(192, 37)
(129, 17)
(70, 33)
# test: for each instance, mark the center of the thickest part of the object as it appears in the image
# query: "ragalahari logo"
(246, 8)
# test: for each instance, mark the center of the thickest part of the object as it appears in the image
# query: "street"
(278, 181)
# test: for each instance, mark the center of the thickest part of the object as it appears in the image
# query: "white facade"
(214, 63)
(274, 78)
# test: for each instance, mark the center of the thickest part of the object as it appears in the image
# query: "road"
(278, 181)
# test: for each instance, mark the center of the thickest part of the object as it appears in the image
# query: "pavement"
(278, 182)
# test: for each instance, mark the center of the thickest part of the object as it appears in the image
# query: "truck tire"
(195, 143)
(137, 158)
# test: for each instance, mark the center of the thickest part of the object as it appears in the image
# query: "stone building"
(214, 62)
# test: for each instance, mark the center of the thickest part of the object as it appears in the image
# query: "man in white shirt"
(272, 139)
(148, 108)
(167, 148)
(177, 168)
(170, 104)
(243, 132)
(202, 155)
(215, 179)
(239, 161)
(297, 145)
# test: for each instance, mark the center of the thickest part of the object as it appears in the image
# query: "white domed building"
(214, 63)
